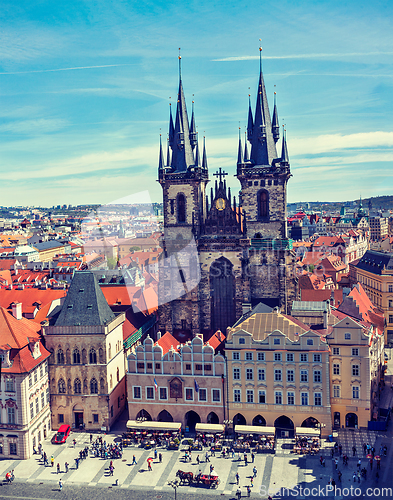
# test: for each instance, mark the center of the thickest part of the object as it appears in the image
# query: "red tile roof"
(16, 332)
(166, 342)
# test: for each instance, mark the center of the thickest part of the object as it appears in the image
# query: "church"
(223, 255)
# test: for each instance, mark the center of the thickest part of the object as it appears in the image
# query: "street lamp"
(174, 484)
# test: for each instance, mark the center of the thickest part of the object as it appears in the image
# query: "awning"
(307, 431)
(209, 428)
(154, 426)
(255, 429)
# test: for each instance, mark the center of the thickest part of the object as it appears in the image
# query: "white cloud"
(338, 55)
(38, 126)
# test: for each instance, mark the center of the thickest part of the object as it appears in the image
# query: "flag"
(196, 386)
(155, 384)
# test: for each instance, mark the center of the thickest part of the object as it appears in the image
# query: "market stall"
(307, 441)
(150, 434)
(209, 435)
(257, 437)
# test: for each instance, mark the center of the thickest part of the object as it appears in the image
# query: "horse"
(185, 477)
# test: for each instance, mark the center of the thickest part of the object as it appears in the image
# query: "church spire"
(161, 163)
(204, 157)
(263, 147)
(240, 151)
(250, 121)
(246, 158)
(284, 149)
(168, 154)
(171, 127)
(197, 159)
(275, 122)
(193, 133)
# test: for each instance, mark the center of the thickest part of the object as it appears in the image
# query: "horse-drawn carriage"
(189, 479)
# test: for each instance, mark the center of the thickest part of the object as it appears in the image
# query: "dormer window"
(242, 340)
(310, 341)
(347, 336)
(276, 341)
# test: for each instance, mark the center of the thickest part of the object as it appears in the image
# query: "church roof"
(376, 262)
(85, 304)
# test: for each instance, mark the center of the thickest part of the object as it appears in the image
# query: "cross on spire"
(220, 174)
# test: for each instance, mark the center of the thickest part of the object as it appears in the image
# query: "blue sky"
(85, 86)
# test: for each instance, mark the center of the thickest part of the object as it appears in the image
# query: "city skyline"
(85, 88)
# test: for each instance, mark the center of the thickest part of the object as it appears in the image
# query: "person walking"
(336, 463)
(254, 471)
(52, 460)
(74, 441)
(353, 450)
(238, 493)
(12, 475)
(160, 457)
(207, 457)
(134, 460)
(149, 465)
(359, 464)
(248, 491)
(197, 459)
(339, 474)
(58, 468)
(252, 457)
(66, 467)
(354, 477)
(245, 459)
(60, 484)
(155, 454)
(237, 478)
(211, 469)
(91, 438)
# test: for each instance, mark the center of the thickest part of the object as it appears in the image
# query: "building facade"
(278, 374)
(24, 386)
(176, 383)
(86, 368)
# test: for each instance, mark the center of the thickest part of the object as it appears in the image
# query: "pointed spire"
(211, 196)
(275, 122)
(161, 163)
(240, 151)
(168, 154)
(215, 188)
(171, 127)
(284, 149)
(204, 158)
(197, 159)
(250, 122)
(193, 133)
(229, 195)
(246, 158)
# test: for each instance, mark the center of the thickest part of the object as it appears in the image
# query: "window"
(278, 397)
(60, 357)
(60, 418)
(208, 368)
(216, 395)
(261, 356)
(9, 385)
(202, 394)
(188, 366)
(277, 376)
(77, 386)
(140, 366)
(277, 356)
(317, 358)
(263, 203)
(289, 357)
(261, 397)
(137, 393)
(30, 380)
(317, 399)
(242, 340)
(236, 355)
(355, 392)
(249, 374)
(93, 386)
(158, 366)
(248, 356)
(236, 395)
(317, 376)
(189, 395)
(347, 336)
(304, 398)
(198, 367)
(310, 342)
(92, 357)
(250, 396)
(32, 410)
(236, 374)
(76, 357)
(390, 318)
(62, 386)
(290, 398)
(37, 405)
(47, 395)
(41, 371)
(336, 351)
(261, 374)
(355, 370)
(163, 393)
(336, 391)
(304, 358)
(290, 375)
(13, 449)
(336, 369)
(276, 341)
(149, 392)
(303, 375)
(149, 366)
(11, 415)
(42, 399)
(390, 288)
(181, 208)
(118, 374)
(95, 418)
(355, 351)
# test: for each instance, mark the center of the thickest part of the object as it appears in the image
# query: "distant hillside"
(383, 202)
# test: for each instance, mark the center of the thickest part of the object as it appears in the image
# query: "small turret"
(161, 157)
(171, 127)
(197, 159)
(246, 157)
(204, 157)
(240, 151)
(275, 122)
(284, 150)
(250, 122)
(193, 132)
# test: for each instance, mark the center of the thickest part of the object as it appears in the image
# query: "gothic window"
(181, 208)
(263, 203)
(62, 386)
(85, 386)
(60, 357)
(102, 385)
(68, 357)
(77, 386)
(84, 356)
(172, 206)
(101, 355)
(93, 386)
(92, 357)
(175, 388)
(69, 385)
(222, 292)
(76, 357)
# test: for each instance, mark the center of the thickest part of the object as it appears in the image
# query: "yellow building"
(278, 373)
(375, 272)
(355, 370)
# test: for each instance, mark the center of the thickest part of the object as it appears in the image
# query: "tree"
(134, 249)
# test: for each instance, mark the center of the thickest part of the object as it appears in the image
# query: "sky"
(85, 88)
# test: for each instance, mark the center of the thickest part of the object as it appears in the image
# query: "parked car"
(62, 434)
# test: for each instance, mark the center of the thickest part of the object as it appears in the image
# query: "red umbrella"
(377, 457)
(369, 456)
(150, 459)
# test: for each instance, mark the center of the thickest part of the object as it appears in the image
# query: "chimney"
(325, 319)
(17, 310)
(158, 335)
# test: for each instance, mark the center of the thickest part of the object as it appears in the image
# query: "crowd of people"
(306, 445)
